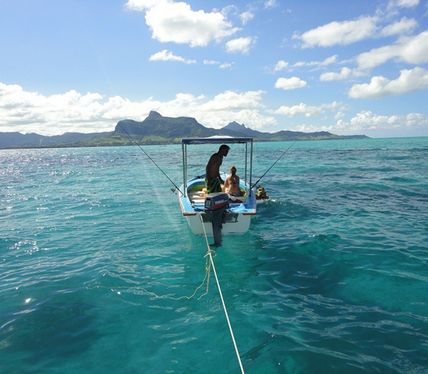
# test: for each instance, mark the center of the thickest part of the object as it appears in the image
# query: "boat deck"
(196, 195)
(197, 200)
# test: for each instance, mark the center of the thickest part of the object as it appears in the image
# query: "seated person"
(231, 184)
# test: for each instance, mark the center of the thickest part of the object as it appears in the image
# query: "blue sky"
(354, 67)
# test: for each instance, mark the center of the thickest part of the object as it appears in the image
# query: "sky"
(354, 67)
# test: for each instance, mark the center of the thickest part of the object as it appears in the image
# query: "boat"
(194, 200)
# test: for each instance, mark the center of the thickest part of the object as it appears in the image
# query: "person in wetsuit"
(213, 179)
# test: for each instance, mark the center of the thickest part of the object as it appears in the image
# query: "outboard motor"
(215, 206)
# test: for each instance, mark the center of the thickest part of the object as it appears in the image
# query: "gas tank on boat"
(218, 200)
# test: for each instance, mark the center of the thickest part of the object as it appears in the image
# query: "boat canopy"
(216, 140)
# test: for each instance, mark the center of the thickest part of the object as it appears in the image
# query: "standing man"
(213, 178)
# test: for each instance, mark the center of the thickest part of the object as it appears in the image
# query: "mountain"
(155, 129)
(297, 135)
(69, 139)
(242, 129)
(166, 127)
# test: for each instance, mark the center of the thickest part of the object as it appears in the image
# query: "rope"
(139, 146)
(209, 254)
(205, 281)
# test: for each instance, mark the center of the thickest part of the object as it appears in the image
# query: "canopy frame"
(220, 140)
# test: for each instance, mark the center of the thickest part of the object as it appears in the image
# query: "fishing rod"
(151, 159)
(279, 158)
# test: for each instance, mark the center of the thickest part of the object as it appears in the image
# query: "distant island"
(156, 129)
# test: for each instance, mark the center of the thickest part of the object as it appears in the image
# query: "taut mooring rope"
(209, 253)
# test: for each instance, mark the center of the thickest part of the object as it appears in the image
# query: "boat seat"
(197, 197)
(198, 201)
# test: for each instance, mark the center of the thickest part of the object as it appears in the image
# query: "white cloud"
(403, 26)
(368, 121)
(246, 17)
(178, 23)
(303, 109)
(27, 111)
(211, 62)
(415, 120)
(166, 55)
(344, 73)
(280, 65)
(339, 115)
(230, 10)
(409, 80)
(226, 65)
(140, 5)
(307, 110)
(243, 107)
(377, 56)
(221, 65)
(269, 4)
(412, 49)
(240, 45)
(339, 33)
(328, 61)
(402, 4)
(351, 31)
(290, 83)
(235, 100)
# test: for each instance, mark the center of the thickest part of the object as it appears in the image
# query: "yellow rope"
(206, 279)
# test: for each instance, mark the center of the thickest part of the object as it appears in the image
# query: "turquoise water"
(331, 278)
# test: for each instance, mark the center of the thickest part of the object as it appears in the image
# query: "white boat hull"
(237, 217)
(239, 225)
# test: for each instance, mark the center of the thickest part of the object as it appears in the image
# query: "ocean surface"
(331, 278)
